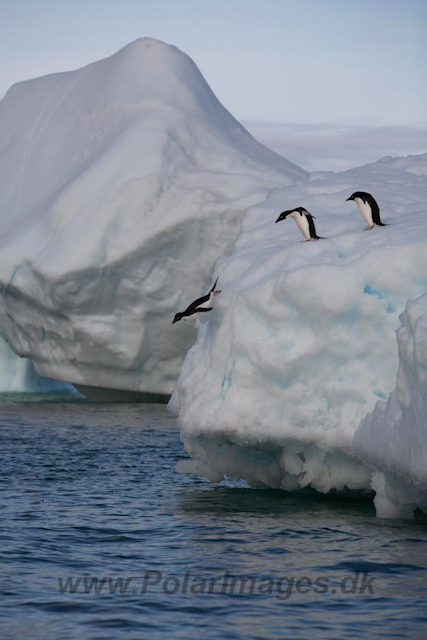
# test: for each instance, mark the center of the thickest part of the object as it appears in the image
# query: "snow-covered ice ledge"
(301, 345)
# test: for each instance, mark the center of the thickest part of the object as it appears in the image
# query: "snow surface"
(301, 344)
(120, 185)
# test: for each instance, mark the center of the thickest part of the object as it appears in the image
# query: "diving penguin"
(304, 221)
(369, 209)
(197, 307)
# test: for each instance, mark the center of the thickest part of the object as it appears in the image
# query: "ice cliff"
(120, 185)
(393, 437)
(301, 345)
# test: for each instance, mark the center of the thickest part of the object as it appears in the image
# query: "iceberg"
(125, 187)
(121, 184)
(301, 345)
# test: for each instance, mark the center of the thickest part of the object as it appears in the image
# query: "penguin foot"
(307, 240)
(215, 293)
(367, 228)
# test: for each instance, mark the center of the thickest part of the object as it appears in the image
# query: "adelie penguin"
(304, 221)
(201, 305)
(369, 209)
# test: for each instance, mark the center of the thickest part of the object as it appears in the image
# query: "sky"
(282, 67)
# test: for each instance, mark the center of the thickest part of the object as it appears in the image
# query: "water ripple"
(89, 493)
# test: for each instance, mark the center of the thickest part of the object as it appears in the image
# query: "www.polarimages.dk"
(225, 584)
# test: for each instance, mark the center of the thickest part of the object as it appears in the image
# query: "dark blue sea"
(102, 539)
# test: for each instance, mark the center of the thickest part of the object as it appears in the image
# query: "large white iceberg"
(120, 185)
(301, 344)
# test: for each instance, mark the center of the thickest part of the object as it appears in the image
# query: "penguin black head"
(353, 195)
(178, 317)
(285, 214)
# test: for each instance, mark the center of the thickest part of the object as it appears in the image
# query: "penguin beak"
(350, 198)
(281, 217)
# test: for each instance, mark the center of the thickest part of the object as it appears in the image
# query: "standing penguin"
(197, 307)
(369, 209)
(304, 221)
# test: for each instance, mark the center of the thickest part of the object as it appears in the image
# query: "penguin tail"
(382, 224)
(316, 237)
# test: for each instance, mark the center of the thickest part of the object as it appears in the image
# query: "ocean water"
(101, 538)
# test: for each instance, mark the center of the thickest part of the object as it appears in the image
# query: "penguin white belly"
(302, 224)
(365, 210)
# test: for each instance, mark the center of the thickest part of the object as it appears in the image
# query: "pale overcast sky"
(332, 62)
